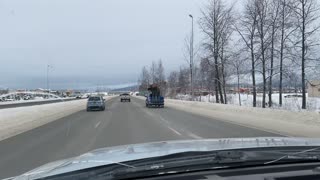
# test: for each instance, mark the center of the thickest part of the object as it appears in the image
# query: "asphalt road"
(121, 123)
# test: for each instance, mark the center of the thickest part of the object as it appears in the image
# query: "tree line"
(154, 75)
(275, 42)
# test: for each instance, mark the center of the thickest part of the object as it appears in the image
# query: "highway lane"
(121, 123)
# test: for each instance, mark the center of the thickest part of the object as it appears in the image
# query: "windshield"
(94, 99)
(80, 75)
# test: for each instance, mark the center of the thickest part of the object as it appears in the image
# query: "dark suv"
(96, 103)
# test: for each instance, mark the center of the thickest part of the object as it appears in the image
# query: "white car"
(125, 97)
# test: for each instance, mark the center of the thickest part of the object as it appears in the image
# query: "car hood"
(106, 156)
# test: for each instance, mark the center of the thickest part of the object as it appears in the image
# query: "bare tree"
(215, 22)
(286, 29)
(274, 23)
(207, 75)
(173, 79)
(144, 79)
(159, 73)
(247, 29)
(153, 70)
(173, 83)
(238, 64)
(306, 13)
(183, 80)
(224, 54)
(263, 31)
(190, 56)
(160, 77)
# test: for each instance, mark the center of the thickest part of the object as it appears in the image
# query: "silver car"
(125, 97)
(96, 103)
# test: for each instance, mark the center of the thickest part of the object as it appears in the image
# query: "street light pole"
(191, 55)
(48, 66)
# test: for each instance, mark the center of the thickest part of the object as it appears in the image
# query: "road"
(121, 123)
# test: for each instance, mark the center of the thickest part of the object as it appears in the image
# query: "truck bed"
(155, 101)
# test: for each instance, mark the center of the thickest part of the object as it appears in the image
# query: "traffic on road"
(119, 124)
(161, 89)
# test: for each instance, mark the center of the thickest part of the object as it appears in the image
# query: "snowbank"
(287, 123)
(34, 100)
(292, 103)
(14, 121)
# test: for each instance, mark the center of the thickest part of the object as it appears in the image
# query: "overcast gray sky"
(90, 42)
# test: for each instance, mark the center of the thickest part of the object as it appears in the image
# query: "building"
(314, 88)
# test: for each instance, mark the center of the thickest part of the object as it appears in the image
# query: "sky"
(90, 43)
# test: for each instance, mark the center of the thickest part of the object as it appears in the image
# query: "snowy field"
(14, 121)
(291, 104)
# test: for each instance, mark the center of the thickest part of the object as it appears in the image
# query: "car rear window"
(124, 94)
(94, 99)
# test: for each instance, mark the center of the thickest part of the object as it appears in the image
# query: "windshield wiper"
(311, 154)
(175, 163)
(219, 160)
(68, 163)
(197, 161)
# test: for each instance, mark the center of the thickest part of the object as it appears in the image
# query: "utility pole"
(191, 56)
(48, 67)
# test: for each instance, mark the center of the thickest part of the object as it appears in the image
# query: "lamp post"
(48, 68)
(191, 56)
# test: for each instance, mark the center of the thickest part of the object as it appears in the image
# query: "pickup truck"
(125, 97)
(154, 99)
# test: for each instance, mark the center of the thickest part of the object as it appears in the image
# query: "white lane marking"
(194, 136)
(167, 124)
(97, 124)
(162, 119)
(172, 129)
(175, 131)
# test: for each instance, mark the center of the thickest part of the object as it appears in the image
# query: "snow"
(282, 122)
(291, 104)
(37, 99)
(14, 121)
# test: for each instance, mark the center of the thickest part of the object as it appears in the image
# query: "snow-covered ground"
(14, 121)
(291, 104)
(38, 99)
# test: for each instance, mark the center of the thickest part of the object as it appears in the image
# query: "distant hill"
(128, 88)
